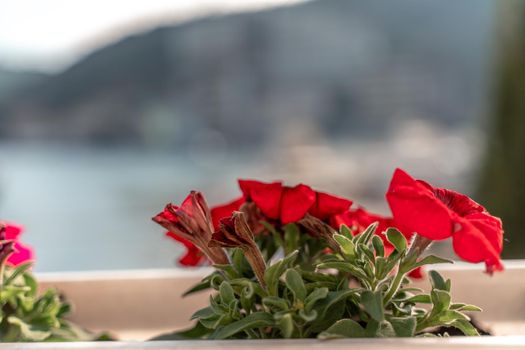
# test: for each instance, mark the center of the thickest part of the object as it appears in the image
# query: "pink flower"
(21, 253)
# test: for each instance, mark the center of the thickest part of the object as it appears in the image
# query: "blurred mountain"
(342, 67)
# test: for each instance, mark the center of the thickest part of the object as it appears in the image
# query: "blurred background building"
(108, 112)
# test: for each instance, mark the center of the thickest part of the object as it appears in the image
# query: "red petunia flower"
(437, 214)
(291, 204)
(225, 211)
(327, 205)
(193, 255)
(21, 253)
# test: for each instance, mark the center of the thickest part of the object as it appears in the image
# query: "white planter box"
(136, 305)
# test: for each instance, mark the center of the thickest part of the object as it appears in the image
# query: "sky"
(49, 35)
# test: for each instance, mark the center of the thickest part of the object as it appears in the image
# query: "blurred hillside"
(345, 69)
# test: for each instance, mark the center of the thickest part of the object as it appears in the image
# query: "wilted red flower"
(192, 222)
(438, 213)
(290, 204)
(235, 232)
(16, 252)
(193, 255)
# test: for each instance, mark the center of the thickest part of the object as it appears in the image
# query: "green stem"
(394, 287)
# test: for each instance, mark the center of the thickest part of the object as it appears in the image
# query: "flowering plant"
(292, 262)
(25, 314)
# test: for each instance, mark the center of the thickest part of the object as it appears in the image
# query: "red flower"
(437, 213)
(327, 205)
(192, 222)
(193, 256)
(21, 253)
(225, 211)
(290, 204)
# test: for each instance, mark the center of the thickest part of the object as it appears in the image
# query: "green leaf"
(308, 316)
(314, 296)
(226, 293)
(295, 284)
(204, 313)
(255, 320)
(373, 304)
(20, 269)
(345, 231)
(404, 326)
(286, 325)
(379, 247)
(440, 301)
(29, 332)
(430, 260)
(332, 299)
(365, 236)
(381, 329)
(420, 298)
(466, 327)
(437, 280)
(397, 239)
(344, 267)
(345, 328)
(346, 244)
(274, 272)
(275, 303)
(465, 307)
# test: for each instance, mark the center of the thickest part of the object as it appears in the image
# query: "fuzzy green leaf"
(295, 284)
(373, 304)
(466, 327)
(346, 244)
(366, 235)
(379, 246)
(404, 326)
(226, 293)
(286, 325)
(274, 272)
(440, 301)
(314, 296)
(437, 281)
(397, 239)
(346, 328)
(255, 320)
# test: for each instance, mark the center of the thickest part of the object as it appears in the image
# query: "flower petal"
(22, 254)
(474, 242)
(267, 196)
(295, 203)
(327, 205)
(416, 209)
(225, 210)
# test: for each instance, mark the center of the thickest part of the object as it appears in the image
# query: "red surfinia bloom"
(438, 213)
(192, 222)
(327, 205)
(21, 253)
(290, 204)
